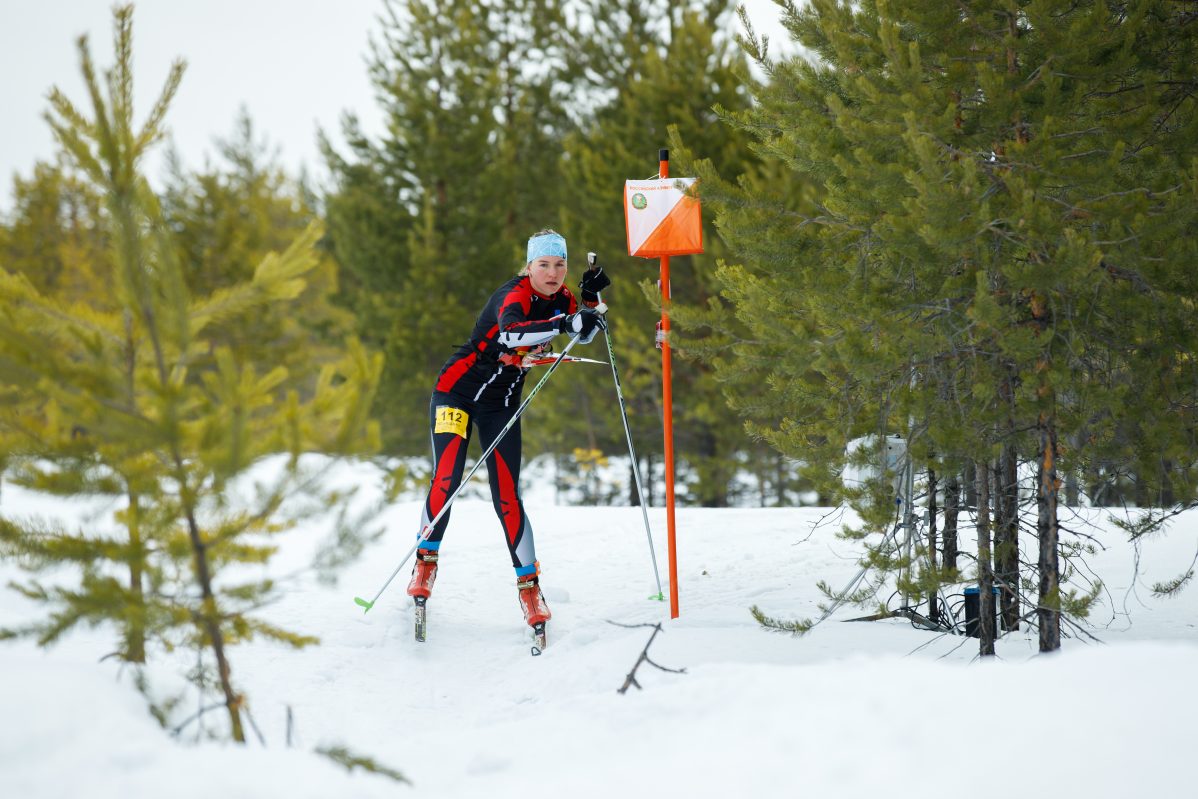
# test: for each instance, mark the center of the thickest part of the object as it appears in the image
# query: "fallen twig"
(195, 717)
(643, 658)
(253, 724)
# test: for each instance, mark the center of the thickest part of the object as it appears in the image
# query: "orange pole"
(667, 399)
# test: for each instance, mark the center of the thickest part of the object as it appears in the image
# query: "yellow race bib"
(451, 420)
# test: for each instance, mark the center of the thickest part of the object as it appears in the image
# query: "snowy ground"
(850, 710)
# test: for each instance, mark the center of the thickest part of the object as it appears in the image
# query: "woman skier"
(480, 386)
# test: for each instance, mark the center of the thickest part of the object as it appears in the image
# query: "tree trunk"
(210, 623)
(1072, 490)
(781, 479)
(1096, 488)
(762, 482)
(135, 633)
(1072, 478)
(985, 576)
(634, 496)
(712, 485)
(135, 638)
(1140, 493)
(648, 476)
(1006, 550)
(933, 568)
(971, 486)
(1167, 496)
(952, 507)
(1048, 609)
(1106, 489)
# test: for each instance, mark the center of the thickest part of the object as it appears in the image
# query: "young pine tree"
(139, 401)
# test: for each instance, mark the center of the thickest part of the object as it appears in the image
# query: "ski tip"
(363, 603)
(660, 597)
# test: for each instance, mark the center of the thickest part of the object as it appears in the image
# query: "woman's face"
(547, 274)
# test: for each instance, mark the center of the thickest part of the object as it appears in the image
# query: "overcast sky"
(296, 65)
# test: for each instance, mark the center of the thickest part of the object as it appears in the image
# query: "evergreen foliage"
(352, 761)
(985, 240)
(133, 394)
(673, 69)
(507, 118)
(224, 220)
(55, 235)
(770, 623)
(431, 219)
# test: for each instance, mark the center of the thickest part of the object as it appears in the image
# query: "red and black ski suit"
(480, 385)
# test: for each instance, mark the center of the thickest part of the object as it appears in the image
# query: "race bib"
(451, 420)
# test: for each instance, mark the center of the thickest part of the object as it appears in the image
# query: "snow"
(851, 709)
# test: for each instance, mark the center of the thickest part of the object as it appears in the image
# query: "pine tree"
(54, 237)
(140, 402)
(429, 220)
(225, 218)
(673, 68)
(54, 234)
(989, 212)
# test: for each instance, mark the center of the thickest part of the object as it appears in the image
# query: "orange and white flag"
(661, 219)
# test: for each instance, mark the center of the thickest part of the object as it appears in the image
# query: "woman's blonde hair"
(542, 232)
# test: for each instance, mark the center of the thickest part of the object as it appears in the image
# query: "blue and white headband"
(552, 244)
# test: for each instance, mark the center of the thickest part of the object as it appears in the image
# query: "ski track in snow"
(848, 710)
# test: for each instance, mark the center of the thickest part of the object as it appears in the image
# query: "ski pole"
(592, 261)
(428, 529)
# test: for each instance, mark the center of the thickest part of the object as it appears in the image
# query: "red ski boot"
(423, 574)
(532, 601)
(536, 612)
(421, 585)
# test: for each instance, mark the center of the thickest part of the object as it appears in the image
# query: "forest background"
(482, 104)
(969, 227)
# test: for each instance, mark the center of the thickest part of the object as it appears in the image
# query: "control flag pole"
(667, 401)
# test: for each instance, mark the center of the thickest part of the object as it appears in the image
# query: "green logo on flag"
(639, 202)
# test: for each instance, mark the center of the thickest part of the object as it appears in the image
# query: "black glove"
(593, 280)
(584, 324)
